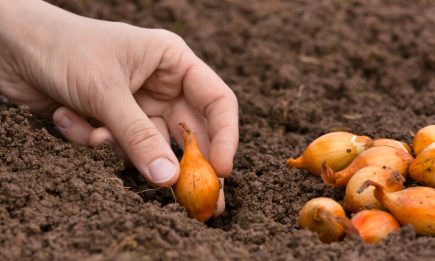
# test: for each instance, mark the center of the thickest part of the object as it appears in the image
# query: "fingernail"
(103, 142)
(162, 170)
(63, 121)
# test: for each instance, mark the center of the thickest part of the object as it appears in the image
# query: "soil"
(300, 69)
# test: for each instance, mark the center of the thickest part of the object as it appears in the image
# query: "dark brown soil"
(299, 69)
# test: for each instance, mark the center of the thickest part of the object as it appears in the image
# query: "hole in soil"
(240, 71)
(45, 228)
(276, 86)
(138, 184)
(135, 182)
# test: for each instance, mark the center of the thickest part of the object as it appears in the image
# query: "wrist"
(13, 12)
(19, 22)
(7, 11)
(28, 28)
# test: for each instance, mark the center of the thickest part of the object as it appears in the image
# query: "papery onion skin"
(355, 202)
(374, 225)
(422, 169)
(326, 217)
(392, 143)
(415, 206)
(423, 138)
(431, 146)
(389, 157)
(338, 149)
(197, 188)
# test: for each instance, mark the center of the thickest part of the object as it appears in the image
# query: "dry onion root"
(338, 149)
(377, 156)
(374, 225)
(415, 206)
(326, 217)
(390, 179)
(197, 188)
(392, 143)
(423, 138)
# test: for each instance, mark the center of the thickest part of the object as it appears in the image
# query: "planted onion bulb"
(390, 179)
(197, 188)
(422, 169)
(415, 206)
(389, 157)
(392, 143)
(338, 149)
(326, 217)
(374, 225)
(423, 138)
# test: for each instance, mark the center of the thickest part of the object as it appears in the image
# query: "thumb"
(140, 139)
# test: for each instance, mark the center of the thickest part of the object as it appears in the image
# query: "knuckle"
(170, 36)
(176, 50)
(140, 133)
(233, 98)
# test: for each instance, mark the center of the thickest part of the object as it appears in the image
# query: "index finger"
(210, 96)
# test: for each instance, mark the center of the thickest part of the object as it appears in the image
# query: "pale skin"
(112, 83)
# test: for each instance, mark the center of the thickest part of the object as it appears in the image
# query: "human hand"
(136, 83)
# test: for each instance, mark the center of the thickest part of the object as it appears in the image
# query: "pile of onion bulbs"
(373, 172)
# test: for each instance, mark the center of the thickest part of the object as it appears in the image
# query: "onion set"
(197, 188)
(389, 157)
(326, 217)
(392, 143)
(374, 225)
(338, 149)
(423, 138)
(422, 169)
(415, 206)
(390, 179)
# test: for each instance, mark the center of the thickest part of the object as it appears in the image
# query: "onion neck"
(190, 143)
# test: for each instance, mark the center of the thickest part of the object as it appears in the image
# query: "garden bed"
(300, 69)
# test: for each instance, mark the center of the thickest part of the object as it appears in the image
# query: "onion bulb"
(392, 143)
(338, 149)
(389, 157)
(374, 225)
(326, 217)
(415, 206)
(197, 188)
(423, 138)
(422, 169)
(390, 179)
